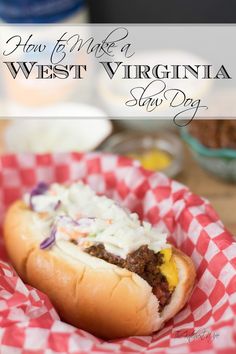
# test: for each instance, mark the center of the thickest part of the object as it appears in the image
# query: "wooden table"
(221, 195)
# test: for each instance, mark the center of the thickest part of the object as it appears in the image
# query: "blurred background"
(201, 155)
(112, 11)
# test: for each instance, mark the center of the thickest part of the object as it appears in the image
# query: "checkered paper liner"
(28, 322)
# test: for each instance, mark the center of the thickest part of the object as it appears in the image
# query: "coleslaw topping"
(75, 213)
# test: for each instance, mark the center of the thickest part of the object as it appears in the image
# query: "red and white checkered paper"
(28, 322)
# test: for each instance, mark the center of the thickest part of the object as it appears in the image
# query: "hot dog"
(103, 269)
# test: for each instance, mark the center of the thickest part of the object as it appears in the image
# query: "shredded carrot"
(76, 235)
(72, 234)
(43, 215)
(52, 192)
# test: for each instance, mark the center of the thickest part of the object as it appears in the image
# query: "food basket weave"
(207, 324)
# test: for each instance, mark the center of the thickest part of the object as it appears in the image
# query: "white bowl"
(58, 135)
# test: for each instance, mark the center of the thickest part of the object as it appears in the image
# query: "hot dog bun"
(88, 292)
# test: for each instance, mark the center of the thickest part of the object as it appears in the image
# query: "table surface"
(221, 195)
